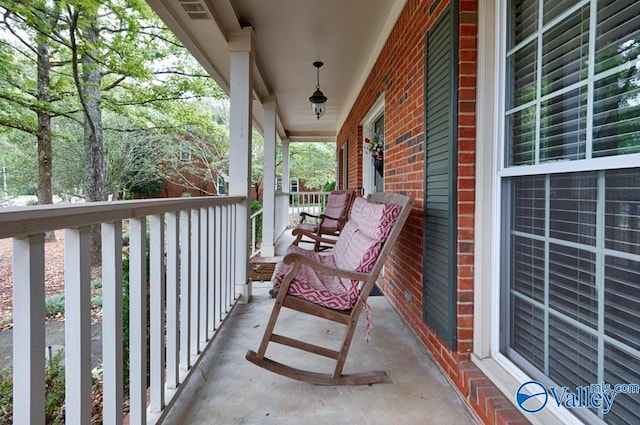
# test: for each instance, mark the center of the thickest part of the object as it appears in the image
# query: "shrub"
(54, 305)
(6, 397)
(54, 392)
(329, 186)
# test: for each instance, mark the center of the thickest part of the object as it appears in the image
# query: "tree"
(18, 90)
(122, 42)
(313, 163)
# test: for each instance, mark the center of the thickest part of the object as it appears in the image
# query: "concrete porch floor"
(230, 390)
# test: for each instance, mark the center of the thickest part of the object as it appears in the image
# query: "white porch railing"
(253, 225)
(191, 290)
(309, 202)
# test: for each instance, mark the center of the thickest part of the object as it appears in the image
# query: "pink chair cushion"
(357, 248)
(374, 220)
(319, 288)
(308, 227)
(336, 204)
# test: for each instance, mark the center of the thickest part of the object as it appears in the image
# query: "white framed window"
(222, 185)
(295, 185)
(185, 151)
(569, 189)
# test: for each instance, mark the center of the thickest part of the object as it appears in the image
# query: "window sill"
(507, 378)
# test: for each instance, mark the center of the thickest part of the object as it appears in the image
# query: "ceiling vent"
(195, 9)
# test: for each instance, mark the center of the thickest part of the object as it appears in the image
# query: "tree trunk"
(43, 133)
(93, 138)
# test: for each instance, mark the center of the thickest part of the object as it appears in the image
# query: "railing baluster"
(231, 259)
(219, 278)
(138, 321)
(211, 273)
(224, 260)
(28, 330)
(157, 300)
(185, 289)
(112, 349)
(233, 239)
(195, 281)
(204, 277)
(173, 343)
(77, 263)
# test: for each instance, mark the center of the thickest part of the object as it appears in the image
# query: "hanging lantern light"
(318, 98)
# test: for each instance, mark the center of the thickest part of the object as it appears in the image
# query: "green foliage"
(313, 163)
(6, 397)
(329, 186)
(150, 94)
(54, 392)
(141, 188)
(17, 166)
(54, 305)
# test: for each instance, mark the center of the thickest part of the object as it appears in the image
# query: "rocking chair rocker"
(335, 287)
(329, 223)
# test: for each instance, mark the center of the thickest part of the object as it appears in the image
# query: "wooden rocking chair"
(335, 287)
(329, 223)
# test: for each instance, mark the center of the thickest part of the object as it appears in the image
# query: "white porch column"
(286, 179)
(268, 248)
(241, 91)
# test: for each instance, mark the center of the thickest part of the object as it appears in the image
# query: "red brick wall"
(399, 74)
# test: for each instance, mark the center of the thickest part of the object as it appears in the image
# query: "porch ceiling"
(289, 36)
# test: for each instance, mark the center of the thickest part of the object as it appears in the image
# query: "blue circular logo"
(532, 396)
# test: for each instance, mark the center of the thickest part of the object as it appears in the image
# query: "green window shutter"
(440, 213)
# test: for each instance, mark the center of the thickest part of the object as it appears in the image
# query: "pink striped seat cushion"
(314, 286)
(308, 227)
(357, 248)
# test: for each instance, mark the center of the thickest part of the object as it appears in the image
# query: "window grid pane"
(521, 128)
(572, 286)
(616, 114)
(622, 367)
(622, 216)
(528, 271)
(522, 76)
(573, 208)
(569, 345)
(529, 214)
(622, 300)
(617, 33)
(553, 8)
(565, 52)
(563, 127)
(524, 20)
(527, 333)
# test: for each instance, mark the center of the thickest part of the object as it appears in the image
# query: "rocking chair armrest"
(325, 217)
(301, 232)
(333, 271)
(304, 215)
